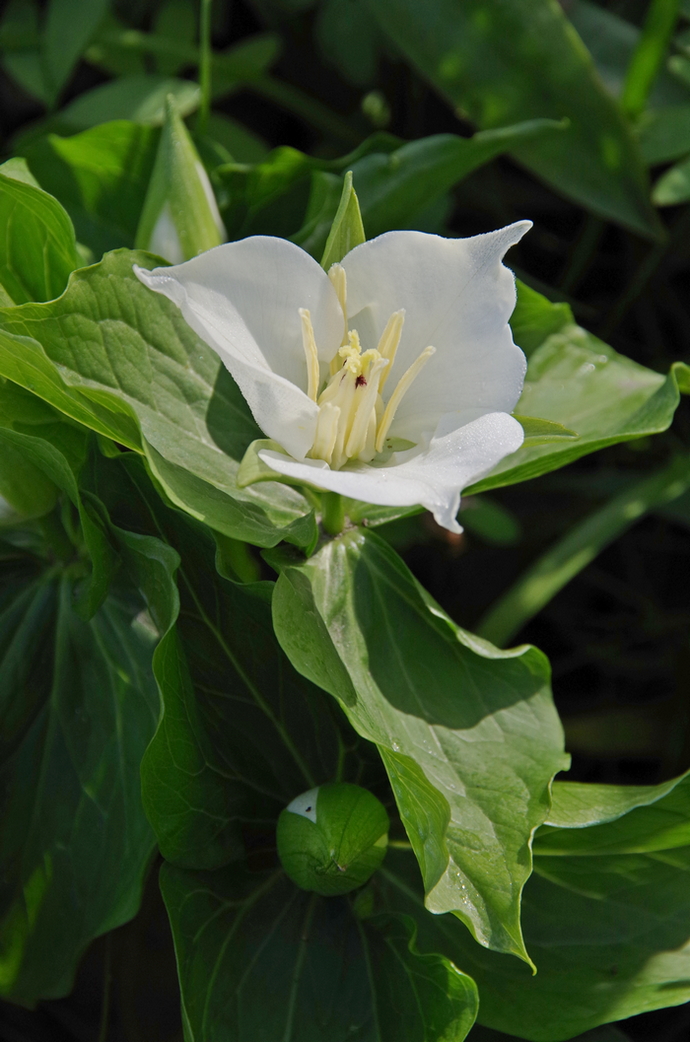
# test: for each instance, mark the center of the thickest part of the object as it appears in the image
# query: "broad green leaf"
(78, 708)
(578, 548)
(121, 360)
(490, 520)
(349, 39)
(576, 380)
(241, 733)
(175, 20)
(393, 189)
(61, 48)
(22, 58)
(505, 61)
(37, 249)
(611, 819)
(241, 936)
(469, 735)
(239, 141)
(28, 491)
(100, 176)
(137, 98)
(610, 936)
(17, 169)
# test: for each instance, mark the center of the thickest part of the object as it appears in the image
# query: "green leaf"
(616, 819)
(26, 489)
(138, 98)
(78, 708)
(347, 230)
(131, 369)
(331, 975)
(490, 520)
(535, 318)
(576, 380)
(38, 249)
(505, 61)
(469, 735)
(664, 134)
(394, 189)
(242, 733)
(61, 49)
(100, 176)
(349, 39)
(541, 432)
(673, 187)
(610, 935)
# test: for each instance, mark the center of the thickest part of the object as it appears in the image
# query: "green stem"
(333, 517)
(107, 990)
(578, 548)
(648, 55)
(205, 65)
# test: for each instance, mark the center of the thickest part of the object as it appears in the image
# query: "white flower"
(390, 379)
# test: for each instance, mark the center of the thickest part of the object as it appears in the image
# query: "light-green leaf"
(505, 61)
(469, 735)
(100, 176)
(122, 361)
(576, 380)
(37, 249)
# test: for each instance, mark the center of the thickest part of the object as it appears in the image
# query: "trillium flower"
(389, 379)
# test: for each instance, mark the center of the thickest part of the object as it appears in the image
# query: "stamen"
(336, 274)
(390, 338)
(394, 401)
(311, 352)
(326, 432)
(365, 407)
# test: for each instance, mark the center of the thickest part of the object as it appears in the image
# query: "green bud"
(331, 839)
(180, 217)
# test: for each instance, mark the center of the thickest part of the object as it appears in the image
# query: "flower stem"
(205, 56)
(333, 507)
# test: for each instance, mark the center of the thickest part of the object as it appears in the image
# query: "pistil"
(352, 422)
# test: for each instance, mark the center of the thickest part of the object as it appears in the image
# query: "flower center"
(353, 421)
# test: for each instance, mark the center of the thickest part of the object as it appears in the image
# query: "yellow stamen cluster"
(353, 422)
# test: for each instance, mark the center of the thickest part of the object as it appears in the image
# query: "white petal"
(433, 479)
(243, 299)
(458, 297)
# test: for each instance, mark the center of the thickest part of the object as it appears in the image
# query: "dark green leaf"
(241, 936)
(242, 733)
(78, 708)
(665, 133)
(37, 248)
(673, 187)
(62, 49)
(505, 61)
(468, 734)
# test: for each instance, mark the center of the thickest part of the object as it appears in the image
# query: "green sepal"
(541, 432)
(347, 230)
(180, 194)
(253, 469)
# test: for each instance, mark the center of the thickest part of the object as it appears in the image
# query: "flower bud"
(333, 838)
(180, 217)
